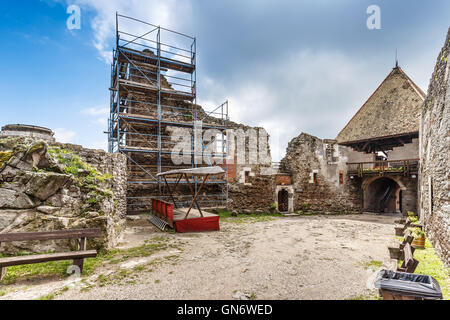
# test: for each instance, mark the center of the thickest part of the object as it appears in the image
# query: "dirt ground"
(305, 257)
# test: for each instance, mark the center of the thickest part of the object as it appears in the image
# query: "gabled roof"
(393, 109)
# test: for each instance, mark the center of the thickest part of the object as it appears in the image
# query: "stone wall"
(251, 181)
(434, 155)
(319, 175)
(57, 186)
(256, 194)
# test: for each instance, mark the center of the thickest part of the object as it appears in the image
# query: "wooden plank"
(410, 264)
(15, 261)
(194, 200)
(179, 214)
(51, 235)
(408, 253)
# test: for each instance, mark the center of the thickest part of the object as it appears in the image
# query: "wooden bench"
(396, 252)
(400, 228)
(77, 256)
(409, 263)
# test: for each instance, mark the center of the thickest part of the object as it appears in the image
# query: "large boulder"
(56, 187)
(44, 185)
(11, 199)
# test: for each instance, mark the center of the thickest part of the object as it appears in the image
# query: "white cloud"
(98, 115)
(167, 13)
(63, 135)
(103, 144)
(309, 91)
(300, 91)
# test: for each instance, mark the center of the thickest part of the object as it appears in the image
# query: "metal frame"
(165, 72)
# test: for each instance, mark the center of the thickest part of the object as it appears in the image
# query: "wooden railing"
(404, 167)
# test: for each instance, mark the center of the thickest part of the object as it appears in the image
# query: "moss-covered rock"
(4, 157)
(54, 187)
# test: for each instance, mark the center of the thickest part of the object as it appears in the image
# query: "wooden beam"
(170, 192)
(51, 235)
(194, 199)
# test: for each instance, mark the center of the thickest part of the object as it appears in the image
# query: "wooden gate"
(283, 198)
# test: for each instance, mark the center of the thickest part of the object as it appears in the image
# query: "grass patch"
(30, 271)
(53, 295)
(226, 216)
(59, 268)
(372, 264)
(49, 296)
(430, 264)
(371, 296)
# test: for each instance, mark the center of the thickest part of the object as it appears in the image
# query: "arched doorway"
(283, 200)
(382, 195)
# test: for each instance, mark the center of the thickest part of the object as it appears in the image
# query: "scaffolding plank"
(142, 117)
(166, 63)
(148, 88)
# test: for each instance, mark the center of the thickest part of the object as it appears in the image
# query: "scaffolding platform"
(153, 90)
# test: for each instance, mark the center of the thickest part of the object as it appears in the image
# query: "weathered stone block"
(44, 185)
(11, 199)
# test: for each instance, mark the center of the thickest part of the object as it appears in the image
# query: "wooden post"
(196, 195)
(2, 272)
(194, 199)
(79, 263)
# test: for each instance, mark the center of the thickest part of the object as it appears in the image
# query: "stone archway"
(382, 194)
(283, 200)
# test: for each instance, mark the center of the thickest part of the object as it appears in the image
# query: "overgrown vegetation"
(371, 296)
(372, 264)
(85, 175)
(53, 295)
(393, 169)
(430, 264)
(4, 157)
(417, 233)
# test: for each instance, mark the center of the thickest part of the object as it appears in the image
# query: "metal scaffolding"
(154, 91)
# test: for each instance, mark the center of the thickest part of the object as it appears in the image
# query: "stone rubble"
(42, 189)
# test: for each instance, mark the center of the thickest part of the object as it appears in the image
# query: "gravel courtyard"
(304, 257)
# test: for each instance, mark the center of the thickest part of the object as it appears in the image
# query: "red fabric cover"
(198, 224)
(162, 208)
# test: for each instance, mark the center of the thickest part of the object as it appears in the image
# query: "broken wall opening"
(382, 196)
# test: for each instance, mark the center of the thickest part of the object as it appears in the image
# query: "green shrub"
(85, 175)
(417, 232)
(4, 157)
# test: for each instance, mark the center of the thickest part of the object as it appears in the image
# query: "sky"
(288, 66)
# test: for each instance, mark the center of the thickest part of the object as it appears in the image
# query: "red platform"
(175, 218)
